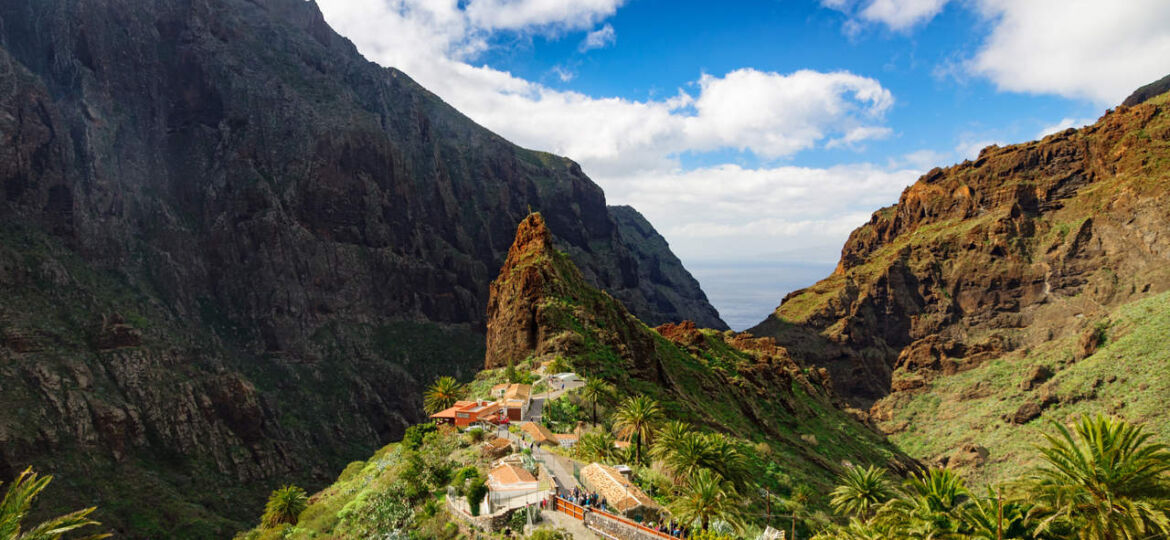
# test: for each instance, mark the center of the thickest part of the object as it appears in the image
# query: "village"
(534, 470)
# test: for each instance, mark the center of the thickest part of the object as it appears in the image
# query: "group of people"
(673, 528)
(586, 499)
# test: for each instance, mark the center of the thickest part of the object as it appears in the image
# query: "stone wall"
(612, 528)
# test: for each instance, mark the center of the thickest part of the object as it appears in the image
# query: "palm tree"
(705, 497)
(285, 506)
(725, 458)
(993, 517)
(931, 506)
(686, 455)
(596, 389)
(19, 498)
(668, 437)
(1109, 482)
(855, 530)
(636, 419)
(596, 445)
(861, 491)
(442, 394)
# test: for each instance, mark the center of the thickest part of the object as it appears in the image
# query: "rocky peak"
(1018, 247)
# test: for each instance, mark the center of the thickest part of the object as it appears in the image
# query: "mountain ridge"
(235, 250)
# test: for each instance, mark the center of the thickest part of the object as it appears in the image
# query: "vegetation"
(442, 394)
(19, 499)
(594, 391)
(1106, 482)
(635, 421)
(706, 497)
(1109, 481)
(285, 506)
(862, 490)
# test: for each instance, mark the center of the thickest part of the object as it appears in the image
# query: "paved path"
(576, 529)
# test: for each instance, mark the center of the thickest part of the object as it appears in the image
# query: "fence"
(576, 511)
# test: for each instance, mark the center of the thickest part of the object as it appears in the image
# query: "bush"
(285, 506)
(413, 437)
(475, 492)
(476, 435)
(351, 471)
(461, 477)
(549, 534)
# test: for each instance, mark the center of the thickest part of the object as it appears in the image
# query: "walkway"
(575, 528)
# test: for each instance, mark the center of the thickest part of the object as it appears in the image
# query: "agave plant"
(17, 501)
(285, 506)
(1108, 481)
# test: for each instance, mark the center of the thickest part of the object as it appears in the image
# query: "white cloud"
(526, 14)
(898, 15)
(1076, 48)
(598, 39)
(1064, 124)
(631, 147)
(731, 213)
(969, 149)
(563, 73)
(1085, 49)
(901, 15)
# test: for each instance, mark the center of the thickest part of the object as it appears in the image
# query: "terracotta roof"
(619, 493)
(499, 387)
(518, 391)
(449, 412)
(505, 475)
(538, 432)
(498, 443)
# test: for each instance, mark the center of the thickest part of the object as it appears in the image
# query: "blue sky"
(756, 134)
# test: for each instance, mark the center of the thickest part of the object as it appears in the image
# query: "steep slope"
(748, 387)
(953, 308)
(234, 250)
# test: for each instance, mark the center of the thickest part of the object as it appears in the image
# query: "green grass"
(1125, 377)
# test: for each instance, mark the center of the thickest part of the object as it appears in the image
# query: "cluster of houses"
(513, 478)
(511, 404)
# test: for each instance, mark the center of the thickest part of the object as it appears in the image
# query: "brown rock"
(1035, 375)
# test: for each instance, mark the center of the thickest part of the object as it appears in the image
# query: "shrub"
(476, 435)
(475, 492)
(413, 437)
(285, 506)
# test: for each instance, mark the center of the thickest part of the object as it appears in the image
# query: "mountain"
(1024, 285)
(233, 251)
(541, 307)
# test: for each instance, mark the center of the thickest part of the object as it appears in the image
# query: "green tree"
(17, 501)
(285, 506)
(596, 445)
(636, 419)
(475, 492)
(861, 492)
(1108, 482)
(442, 394)
(706, 497)
(596, 390)
(668, 437)
(931, 506)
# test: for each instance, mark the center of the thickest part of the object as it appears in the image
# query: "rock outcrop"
(1026, 244)
(542, 307)
(232, 251)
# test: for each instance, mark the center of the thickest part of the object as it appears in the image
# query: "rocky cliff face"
(542, 307)
(234, 249)
(1025, 245)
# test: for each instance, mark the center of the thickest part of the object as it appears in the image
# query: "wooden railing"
(577, 512)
